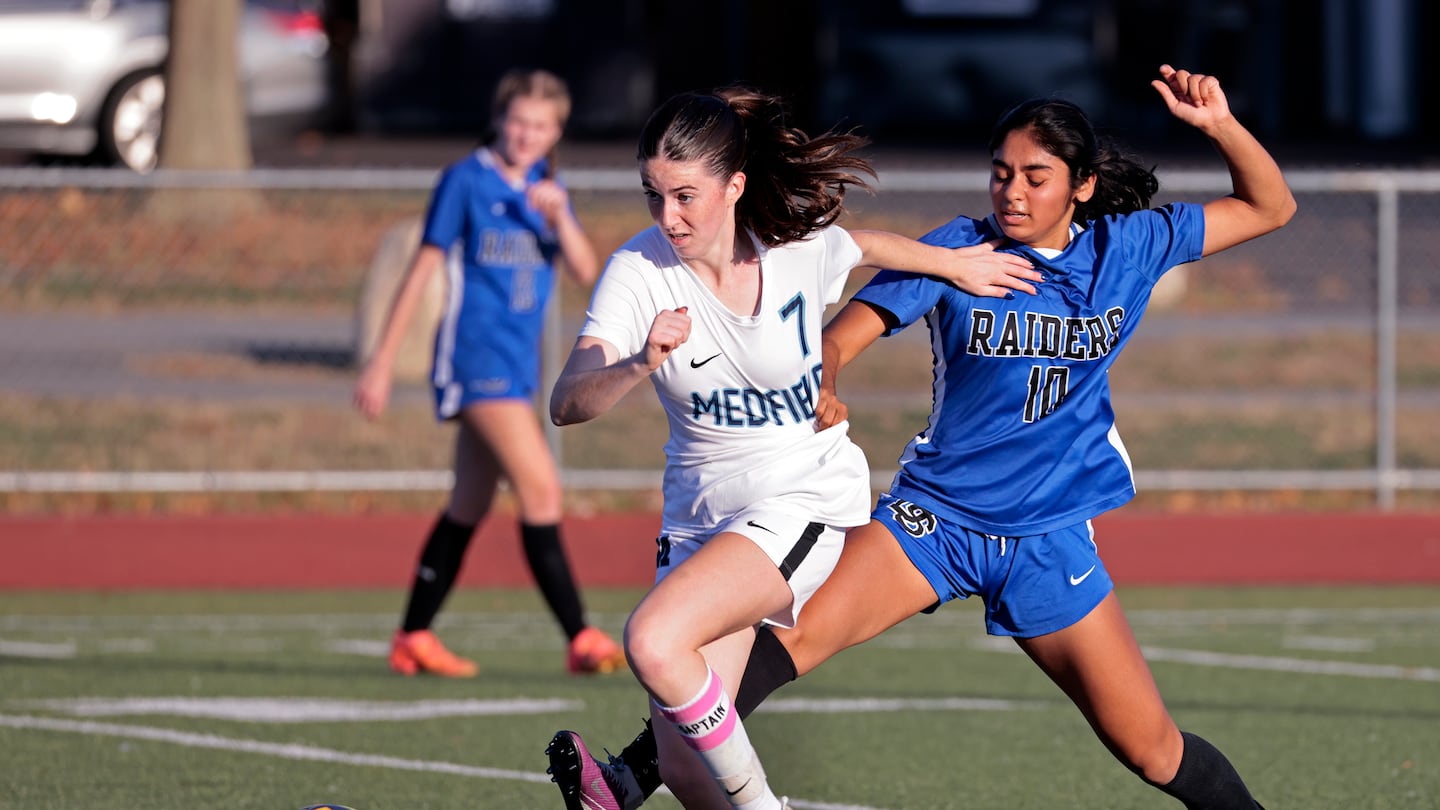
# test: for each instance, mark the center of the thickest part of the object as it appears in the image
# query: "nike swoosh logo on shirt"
(758, 526)
(694, 364)
(1074, 580)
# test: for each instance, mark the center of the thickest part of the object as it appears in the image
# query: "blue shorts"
(506, 367)
(1030, 585)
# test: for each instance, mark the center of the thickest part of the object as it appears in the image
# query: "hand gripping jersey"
(1022, 437)
(500, 263)
(740, 393)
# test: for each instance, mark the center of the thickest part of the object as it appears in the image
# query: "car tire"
(130, 121)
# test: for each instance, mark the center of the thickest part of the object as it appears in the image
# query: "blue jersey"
(500, 261)
(1022, 437)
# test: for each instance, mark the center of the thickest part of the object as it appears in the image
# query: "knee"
(467, 508)
(540, 502)
(1153, 756)
(647, 652)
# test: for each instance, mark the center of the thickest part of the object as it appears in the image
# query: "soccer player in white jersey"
(719, 305)
(996, 494)
(498, 221)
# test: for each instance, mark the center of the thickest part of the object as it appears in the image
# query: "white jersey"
(740, 393)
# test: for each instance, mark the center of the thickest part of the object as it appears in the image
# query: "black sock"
(768, 668)
(435, 575)
(643, 761)
(552, 573)
(1206, 780)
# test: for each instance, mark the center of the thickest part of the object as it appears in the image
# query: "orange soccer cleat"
(421, 652)
(592, 651)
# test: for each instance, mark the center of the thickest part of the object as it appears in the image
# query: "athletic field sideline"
(1325, 697)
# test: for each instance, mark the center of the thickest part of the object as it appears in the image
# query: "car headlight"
(53, 107)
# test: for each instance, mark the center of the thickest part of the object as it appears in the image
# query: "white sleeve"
(620, 313)
(841, 254)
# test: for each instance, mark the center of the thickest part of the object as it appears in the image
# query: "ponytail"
(795, 184)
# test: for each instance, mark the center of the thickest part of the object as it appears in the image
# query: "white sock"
(710, 726)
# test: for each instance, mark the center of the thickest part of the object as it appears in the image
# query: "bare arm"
(553, 202)
(1261, 201)
(372, 390)
(596, 377)
(853, 328)
(978, 269)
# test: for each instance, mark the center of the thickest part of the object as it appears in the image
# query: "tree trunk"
(204, 124)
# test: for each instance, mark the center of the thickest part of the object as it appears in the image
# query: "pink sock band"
(706, 721)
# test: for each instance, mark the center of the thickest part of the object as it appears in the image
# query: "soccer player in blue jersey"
(497, 223)
(995, 495)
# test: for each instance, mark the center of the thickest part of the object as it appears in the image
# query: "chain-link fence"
(199, 332)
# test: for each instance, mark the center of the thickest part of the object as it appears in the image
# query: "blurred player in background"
(719, 306)
(497, 223)
(995, 497)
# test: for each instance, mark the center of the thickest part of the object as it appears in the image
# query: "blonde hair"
(530, 83)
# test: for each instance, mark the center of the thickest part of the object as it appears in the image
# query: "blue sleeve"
(1158, 239)
(445, 221)
(959, 232)
(908, 296)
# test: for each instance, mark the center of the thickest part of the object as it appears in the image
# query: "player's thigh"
(511, 430)
(874, 587)
(476, 477)
(729, 584)
(1097, 663)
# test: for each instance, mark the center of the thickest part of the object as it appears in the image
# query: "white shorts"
(803, 550)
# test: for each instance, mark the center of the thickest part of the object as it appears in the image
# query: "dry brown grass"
(97, 252)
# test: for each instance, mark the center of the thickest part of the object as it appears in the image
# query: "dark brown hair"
(795, 185)
(1122, 184)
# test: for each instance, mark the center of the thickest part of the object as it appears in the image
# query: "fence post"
(1387, 287)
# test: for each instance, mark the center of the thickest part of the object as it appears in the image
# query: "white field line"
(37, 649)
(1299, 665)
(859, 705)
(1328, 644)
(1304, 666)
(370, 648)
(322, 710)
(306, 752)
(301, 710)
(282, 750)
(1282, 616)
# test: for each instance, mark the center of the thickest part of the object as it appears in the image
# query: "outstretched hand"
(982, 271)
(1194, 98)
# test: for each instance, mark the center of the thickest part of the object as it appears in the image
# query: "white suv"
(85, 77)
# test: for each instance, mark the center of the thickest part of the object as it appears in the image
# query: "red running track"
(134, 553)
